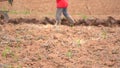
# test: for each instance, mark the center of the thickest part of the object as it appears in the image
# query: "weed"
(13, 12)
(80, 42)
(25, 12)
(69, 54)
(7, 51)
(84, 17)
(104, 34)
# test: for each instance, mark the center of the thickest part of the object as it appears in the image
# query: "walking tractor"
(3, 14)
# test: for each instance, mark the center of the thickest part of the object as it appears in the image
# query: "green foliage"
(104, 34)
(69, 54)
(79, 42)
(13, 12)
(25, 12)
(84, 17)
(7, 51)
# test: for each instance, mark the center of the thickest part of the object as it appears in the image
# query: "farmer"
(3, 14)
(62, 8)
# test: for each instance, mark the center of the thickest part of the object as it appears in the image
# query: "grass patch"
(69, 54)
(84, 17)
(25, 12)
(7, 51)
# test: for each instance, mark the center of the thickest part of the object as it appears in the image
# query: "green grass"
(84, 17)
(7, 51)
(25, 12)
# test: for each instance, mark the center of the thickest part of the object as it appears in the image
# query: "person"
(62, 9)
(9, 1)
(3, 14)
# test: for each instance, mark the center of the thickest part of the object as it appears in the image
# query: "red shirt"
(62, 3)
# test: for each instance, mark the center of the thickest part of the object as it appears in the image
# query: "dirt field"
(30, 40)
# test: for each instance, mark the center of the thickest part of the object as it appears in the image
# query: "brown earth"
(30, 40)
(46, 46)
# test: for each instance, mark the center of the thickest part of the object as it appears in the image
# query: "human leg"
(58, 15)
(70, 19)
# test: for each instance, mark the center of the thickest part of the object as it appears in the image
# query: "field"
(31, 40)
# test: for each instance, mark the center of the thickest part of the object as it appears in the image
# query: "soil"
(33, 41)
